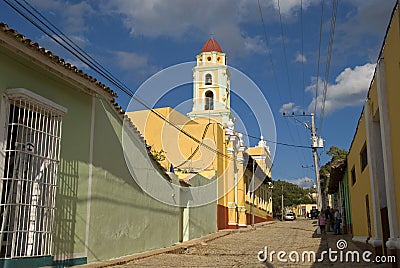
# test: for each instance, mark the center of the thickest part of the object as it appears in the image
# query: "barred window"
(30, 167)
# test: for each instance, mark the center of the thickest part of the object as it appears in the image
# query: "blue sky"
(135, 39)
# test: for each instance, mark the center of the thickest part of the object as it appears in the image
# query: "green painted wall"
(124, 220)
(71, 193)
(202, 219)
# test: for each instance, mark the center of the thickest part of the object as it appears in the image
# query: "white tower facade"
(211, 85)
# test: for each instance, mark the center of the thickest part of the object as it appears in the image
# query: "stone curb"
(175, 249)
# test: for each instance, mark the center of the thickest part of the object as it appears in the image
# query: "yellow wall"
(361, 188)
(178, 147)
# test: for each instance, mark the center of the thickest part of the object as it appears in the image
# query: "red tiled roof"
(211, 45)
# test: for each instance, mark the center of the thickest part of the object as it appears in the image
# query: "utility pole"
(282, 202)
(314, 146)
(316, 142)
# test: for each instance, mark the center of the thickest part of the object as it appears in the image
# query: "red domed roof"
(211, 45)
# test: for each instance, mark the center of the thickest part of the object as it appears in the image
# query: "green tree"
(324, 172)
(292, 195)
(158, 155)
(336, 153)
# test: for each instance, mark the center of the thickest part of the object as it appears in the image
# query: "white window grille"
(29, 170)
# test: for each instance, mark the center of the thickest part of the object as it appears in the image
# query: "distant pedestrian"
(338, 221)
(322, 223)
(329, 218)
(332, 222)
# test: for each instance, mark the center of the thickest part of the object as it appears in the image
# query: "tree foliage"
(292, 195)
(158, 155)
(324, 172)
(336, 153)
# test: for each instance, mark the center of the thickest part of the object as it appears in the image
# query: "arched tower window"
(208, 79)
(209, 101)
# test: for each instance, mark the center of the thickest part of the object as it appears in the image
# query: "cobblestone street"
(240, 248)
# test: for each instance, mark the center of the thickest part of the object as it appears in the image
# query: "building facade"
(69, 162)
(373, 170)
(205, 142)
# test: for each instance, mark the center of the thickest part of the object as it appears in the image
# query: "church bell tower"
(211, 85)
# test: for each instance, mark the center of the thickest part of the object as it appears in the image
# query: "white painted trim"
(375, 242)
(393, 243)
(3, 130)
(387, 152)
(186, 224)
(26, 94)
(362, 239)
(372, 173)
(90, 175)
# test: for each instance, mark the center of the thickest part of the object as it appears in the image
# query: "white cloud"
(303, 182)
(350, 89)
(255, 45)
(199, 19)
(289, 108)
(300, 58)
(134, 63)
(287, 7)
(369, 19)
(72, 14)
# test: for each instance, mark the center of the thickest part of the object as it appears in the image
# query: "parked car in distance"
(314, 213)
(290, 216)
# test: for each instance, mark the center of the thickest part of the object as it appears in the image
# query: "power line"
(275, 73)
(319, 55)
(269, 52)
(61, 39)
(328, 60)
(302, 48)
(287, 71)
(98, 68)
(284, 52)
(276, 142)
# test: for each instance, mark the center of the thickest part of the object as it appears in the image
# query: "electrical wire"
(328, 61)
(275, 73)
(60, 38)
(276, 142)
(102, 71)
(319, 56)
(287, 73)
(302, 49)
(284, 52)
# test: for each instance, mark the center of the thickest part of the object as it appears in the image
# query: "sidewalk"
(344, 243)
(176, 249)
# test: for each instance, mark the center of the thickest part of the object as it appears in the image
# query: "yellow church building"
(205, 142)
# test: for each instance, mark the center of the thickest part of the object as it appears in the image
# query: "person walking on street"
(328, 217)
(322, 223)
(338, 221)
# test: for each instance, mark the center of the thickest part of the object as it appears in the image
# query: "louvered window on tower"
(29, 168)
(208, 79)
